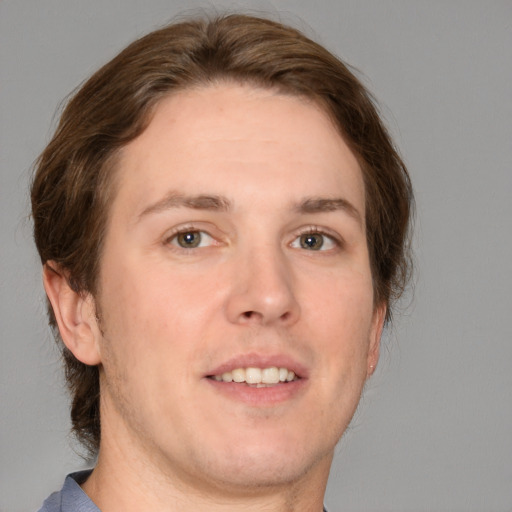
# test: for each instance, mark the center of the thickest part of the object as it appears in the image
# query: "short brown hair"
(73, 183)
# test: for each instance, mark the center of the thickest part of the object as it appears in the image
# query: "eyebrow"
(310, 205)
(199, 202)
(322, 205)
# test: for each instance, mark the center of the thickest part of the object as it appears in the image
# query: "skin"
(251, 291)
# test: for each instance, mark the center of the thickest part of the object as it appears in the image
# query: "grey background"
(434, 432)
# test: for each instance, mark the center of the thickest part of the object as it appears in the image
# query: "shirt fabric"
(71, 498)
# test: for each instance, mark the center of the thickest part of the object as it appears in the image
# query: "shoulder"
(71, 498)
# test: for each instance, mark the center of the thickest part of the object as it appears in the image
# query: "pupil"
(312, 241)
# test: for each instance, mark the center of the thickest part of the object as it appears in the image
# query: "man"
(222, 221)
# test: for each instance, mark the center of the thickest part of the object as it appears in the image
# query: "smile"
(259, 377)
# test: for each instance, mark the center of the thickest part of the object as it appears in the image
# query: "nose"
(263, 289)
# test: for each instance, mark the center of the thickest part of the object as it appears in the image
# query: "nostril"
(252, 315)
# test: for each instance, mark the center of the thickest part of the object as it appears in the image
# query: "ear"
(379, 317)
(75, 314)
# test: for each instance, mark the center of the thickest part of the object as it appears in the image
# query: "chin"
(268, 464)
(247, 475)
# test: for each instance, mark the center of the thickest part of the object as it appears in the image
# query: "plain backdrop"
(434, 430)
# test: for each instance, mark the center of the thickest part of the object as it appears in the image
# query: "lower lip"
(259, 397)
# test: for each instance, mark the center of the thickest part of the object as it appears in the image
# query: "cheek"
(340, 311)
(140, 352)
(342, 301)
(340, 319)
(154, 305)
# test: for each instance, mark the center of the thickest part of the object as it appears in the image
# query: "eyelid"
(205, 238)
(335, 237)
(170, 237)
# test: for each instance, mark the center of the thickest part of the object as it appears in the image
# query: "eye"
(314, 241)
(191, 239)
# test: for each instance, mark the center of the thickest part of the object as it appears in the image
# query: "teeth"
(257, 376)
(270, 375)
(238, 375)
(253, 376)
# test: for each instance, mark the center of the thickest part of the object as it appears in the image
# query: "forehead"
(229, 139)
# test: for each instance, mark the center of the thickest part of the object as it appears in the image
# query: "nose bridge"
(263, 290)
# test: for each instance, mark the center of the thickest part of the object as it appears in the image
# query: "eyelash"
(169, 240)
(312, 230)
(326, 234)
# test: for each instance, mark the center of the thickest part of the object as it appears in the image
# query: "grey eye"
(191, 239)
(314, 241)
(311, 241)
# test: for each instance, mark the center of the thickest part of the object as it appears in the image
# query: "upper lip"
(254, 360)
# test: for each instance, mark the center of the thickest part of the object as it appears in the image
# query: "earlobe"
(75, 315)
(375, 336)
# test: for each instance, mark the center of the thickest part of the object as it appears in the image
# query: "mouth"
(260, 380)
(257, 377)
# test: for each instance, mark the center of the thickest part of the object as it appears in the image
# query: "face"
(235, 296)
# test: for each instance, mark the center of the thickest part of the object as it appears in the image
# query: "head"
(78, 175)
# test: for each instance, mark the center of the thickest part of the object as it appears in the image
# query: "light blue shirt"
(71, 498)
